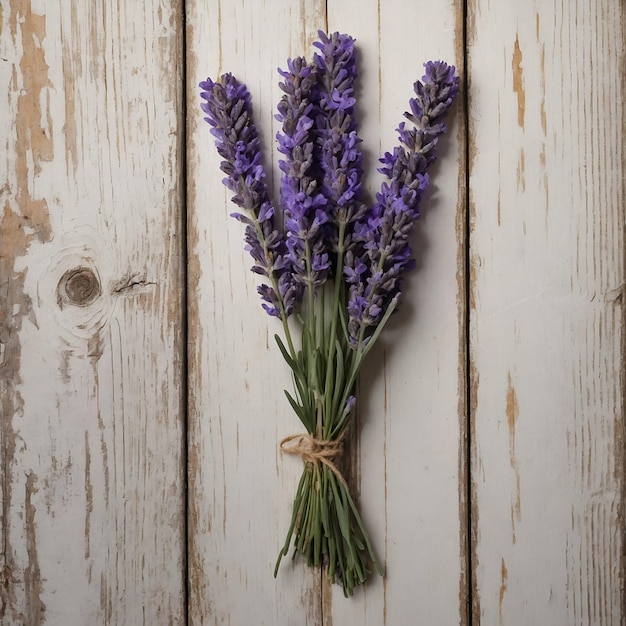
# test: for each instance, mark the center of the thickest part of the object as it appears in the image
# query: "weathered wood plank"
(241, 488)
(407, 451)
(91, 312)
(547, 318)
(410, 458)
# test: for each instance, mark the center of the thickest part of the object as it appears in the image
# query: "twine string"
(315, 451)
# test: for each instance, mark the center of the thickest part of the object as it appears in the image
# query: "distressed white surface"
(412, 390)
(92, 475)
(92, 430)
(240, 487)
(547, 317)
(406, 464)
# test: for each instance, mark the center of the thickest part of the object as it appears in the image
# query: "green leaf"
(342, 513)
(366, 539)
(296, 513)
(292, 364)
(300, 412)
(339, 377)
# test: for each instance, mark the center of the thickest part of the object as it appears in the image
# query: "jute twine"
(315, 451)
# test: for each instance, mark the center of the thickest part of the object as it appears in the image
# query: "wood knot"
(78, 287)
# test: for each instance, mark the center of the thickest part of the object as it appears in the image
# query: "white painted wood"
(413, 388)
(91, 306)
(408, 450)
(547, 317)
(90, 379)
(241, 488)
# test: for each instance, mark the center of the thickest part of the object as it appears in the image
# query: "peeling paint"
(518, 82)
(34, 609)
(512, 414)
(129, 501)
(72, 70)
(503, 586)
(25, 220)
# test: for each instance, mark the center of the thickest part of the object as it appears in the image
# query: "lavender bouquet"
(331, 261)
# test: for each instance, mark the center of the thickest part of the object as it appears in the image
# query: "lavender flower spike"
(340, 155)
(229, 112)
(376, 269)
(304, 206)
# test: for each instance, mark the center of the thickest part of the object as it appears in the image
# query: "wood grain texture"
(241, 488)
(411, 418)
(92, 306)
(406, 448)
(91, 309)
(547, 319)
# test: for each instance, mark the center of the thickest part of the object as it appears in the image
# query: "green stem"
(359, 354)
(283, 315)
(337, 302)
(310, 345)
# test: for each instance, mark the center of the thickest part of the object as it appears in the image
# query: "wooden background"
(141, 392)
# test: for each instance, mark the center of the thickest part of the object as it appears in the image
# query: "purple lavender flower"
(375, 270)
(340, 155)
(305, 207)
(229, 112)
(328, 230)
